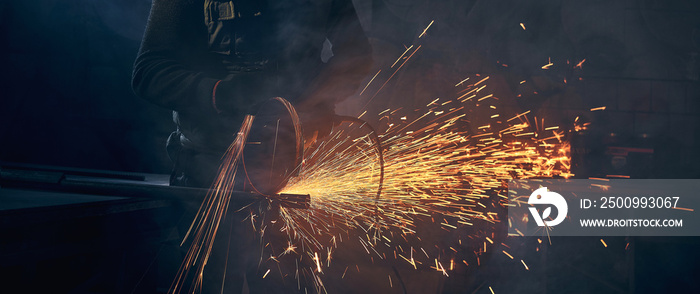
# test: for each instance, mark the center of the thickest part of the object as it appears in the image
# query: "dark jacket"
(242, 52)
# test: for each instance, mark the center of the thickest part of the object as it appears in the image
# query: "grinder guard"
(274, 150)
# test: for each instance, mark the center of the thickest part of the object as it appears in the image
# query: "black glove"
(317, 121)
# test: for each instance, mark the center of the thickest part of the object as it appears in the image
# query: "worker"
(213, 62)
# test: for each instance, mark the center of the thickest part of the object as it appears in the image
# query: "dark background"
(66, 96)
(67, 101)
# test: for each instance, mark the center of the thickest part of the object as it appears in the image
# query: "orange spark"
(525, 265)
(549, 64)
(506, 253)
(426, 29)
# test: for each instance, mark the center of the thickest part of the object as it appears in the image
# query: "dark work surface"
(65, 242)
(15, 199)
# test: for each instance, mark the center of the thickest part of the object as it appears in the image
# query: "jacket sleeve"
(161, 71)
(351, 61)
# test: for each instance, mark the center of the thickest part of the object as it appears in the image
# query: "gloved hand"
(316, 107)
(317, 120)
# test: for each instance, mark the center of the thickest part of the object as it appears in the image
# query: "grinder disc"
(274, 148)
